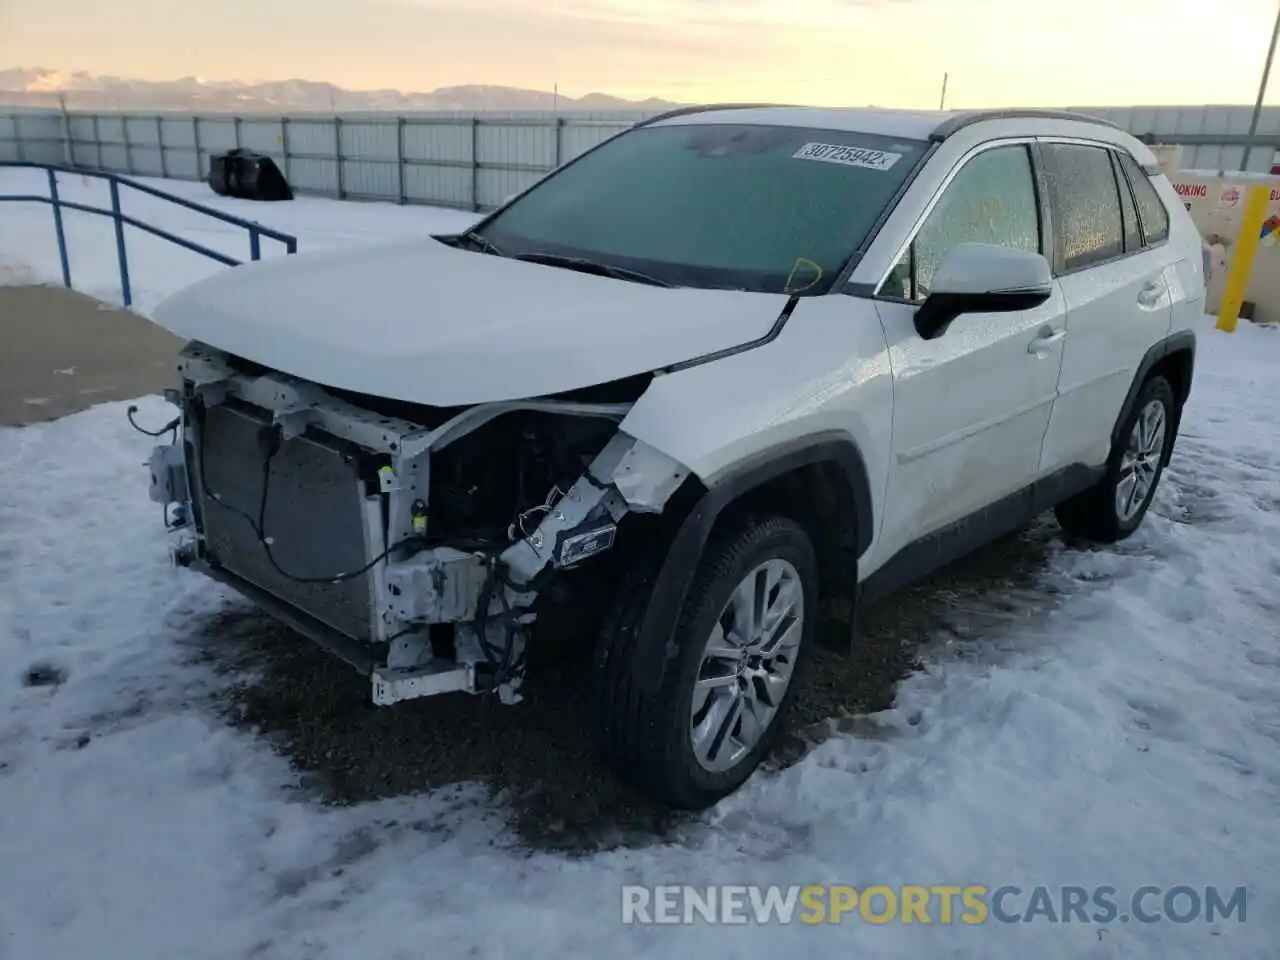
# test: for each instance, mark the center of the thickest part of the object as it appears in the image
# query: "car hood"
(428, 323)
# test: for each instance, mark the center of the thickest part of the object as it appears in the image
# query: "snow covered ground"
(1127, 734)
(29, 246)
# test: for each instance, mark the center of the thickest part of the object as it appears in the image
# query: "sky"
(854, 52)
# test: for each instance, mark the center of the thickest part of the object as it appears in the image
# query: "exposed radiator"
(314, 518)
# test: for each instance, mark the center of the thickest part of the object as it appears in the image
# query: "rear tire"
(740, 645)
(1114, 508)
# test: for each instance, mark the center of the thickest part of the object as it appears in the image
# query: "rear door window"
(1087, 219)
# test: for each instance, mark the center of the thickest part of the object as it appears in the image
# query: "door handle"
(1042, 344)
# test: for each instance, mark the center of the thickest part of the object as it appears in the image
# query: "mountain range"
(40, 87)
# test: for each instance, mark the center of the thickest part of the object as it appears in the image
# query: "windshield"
(738, 206)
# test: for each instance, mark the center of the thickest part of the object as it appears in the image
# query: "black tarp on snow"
(247, 175)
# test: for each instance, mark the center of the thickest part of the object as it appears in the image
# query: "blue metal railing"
(256, 230)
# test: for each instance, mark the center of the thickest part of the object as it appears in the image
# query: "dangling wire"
(554, 495)
(170, 428)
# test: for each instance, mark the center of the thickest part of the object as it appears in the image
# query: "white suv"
(697, 394)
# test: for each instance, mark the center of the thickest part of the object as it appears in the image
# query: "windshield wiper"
(591, 266)
(479, 242)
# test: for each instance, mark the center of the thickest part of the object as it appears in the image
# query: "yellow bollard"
(1242, 253)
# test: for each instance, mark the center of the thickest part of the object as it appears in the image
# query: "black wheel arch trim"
(655, 647)
(1184, 341)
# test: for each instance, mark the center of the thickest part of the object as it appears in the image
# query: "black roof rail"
(706, 108)
(957, 123)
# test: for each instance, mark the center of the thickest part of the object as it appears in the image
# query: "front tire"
(741, 642)
(1114, 508)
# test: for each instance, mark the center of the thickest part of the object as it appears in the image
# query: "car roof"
(909, 124)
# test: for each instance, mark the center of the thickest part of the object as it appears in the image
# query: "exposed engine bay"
(418, 544)
(499, 480)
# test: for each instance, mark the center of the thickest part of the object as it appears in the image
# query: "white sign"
(847, 156)
(1230, 196)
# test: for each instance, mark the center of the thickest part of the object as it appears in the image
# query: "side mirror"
(983, 278)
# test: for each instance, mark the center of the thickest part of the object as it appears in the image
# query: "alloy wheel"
(1141, 460)
(747, 665)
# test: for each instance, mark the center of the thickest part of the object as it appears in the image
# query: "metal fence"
(467, 161)
(464, 160)
(253, 231)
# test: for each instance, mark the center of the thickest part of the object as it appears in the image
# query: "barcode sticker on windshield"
(848, 156)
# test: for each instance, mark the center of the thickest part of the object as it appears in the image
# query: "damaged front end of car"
(418, 544)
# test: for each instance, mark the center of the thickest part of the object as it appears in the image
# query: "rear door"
(972, 405)
(1184, 273)
(1115, 278)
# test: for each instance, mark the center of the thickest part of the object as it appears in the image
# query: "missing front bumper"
(347, 493)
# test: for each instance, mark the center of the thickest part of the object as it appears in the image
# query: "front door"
(971, 406)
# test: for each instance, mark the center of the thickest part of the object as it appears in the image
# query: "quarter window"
(1151, 209)
(1087, 221)
(992, 199)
